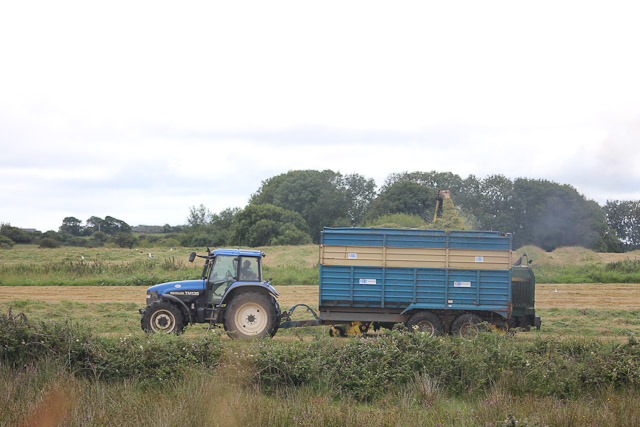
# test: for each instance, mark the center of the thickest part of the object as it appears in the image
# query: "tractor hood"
(182, 285)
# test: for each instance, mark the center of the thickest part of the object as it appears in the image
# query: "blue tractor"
(230, 292)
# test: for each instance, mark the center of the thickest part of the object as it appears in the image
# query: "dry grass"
(605, 296)
(572, 255)
(589, 295)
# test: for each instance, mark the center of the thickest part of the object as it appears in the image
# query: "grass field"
(28, 265)
(567, 310)
(274, 383)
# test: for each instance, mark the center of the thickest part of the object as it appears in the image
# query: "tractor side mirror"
(192, 256)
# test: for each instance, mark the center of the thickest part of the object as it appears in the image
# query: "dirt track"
(615, 295)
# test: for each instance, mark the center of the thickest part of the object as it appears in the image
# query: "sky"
(140, 110)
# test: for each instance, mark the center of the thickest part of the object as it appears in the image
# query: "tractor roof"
(238, 252)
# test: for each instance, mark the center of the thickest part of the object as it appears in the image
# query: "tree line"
(293, 207)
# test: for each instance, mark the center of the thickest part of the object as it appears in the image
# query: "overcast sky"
(140, 110)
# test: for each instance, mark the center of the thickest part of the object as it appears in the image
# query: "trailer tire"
(467, 326)
(427, 323)
(250, 315)
(162, 316)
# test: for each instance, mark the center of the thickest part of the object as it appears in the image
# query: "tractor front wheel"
(162, 316)
(250, 315)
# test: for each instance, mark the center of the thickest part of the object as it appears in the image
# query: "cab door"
(222, 275)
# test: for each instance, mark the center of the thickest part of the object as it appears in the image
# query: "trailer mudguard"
(464, 307)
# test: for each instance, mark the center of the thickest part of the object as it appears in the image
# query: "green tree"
(125, 240)
(404, 197)
(432, 180)
(493, 204)
(208, 229)
(114, 226)
(71, 225)
(199, 217)
(624, 218)
(322, 198)
(266, 224)
(360, 192)
(95, 223)
(16, 234)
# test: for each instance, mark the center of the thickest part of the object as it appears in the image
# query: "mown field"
(81, 358)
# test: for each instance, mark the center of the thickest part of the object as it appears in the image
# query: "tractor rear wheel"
(250, 315)
(426, 322)
(162, 316)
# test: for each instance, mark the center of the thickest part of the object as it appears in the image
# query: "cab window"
(249, 269)
(224, 268)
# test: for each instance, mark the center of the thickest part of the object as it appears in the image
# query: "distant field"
(28, 265)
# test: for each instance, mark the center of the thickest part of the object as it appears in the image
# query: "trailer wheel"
(467, 326)
(162, 316)
(250, 315)
(426, 322)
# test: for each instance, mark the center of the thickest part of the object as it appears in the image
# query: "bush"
(154, 358)
(125, 240)
(49, 243)
(6, 243)
(16, 234)
(367, 368)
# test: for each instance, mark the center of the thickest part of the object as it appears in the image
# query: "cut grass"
(123, 318)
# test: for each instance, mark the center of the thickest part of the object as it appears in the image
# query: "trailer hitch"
(286, 322)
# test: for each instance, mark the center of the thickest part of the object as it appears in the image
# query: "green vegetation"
(6, 243)
(49, 243)
(265, 224)
(615, 272)
(397, 220)
(580, 265)
(153, 358)
(28, 265)
(59, 369)
(138, 272)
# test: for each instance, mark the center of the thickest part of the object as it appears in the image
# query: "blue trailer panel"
(361, 268)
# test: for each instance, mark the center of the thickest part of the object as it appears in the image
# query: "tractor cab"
(226, 267)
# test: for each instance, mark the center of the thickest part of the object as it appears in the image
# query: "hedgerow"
(366, 368)
(147, 358)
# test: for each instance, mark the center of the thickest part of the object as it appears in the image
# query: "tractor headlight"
(152, 296)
